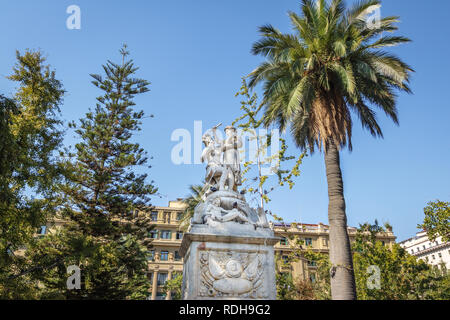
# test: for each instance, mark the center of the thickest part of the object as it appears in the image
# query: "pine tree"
(106, 200)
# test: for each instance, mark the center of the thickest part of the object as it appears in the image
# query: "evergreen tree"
(30, 134)
(106, 200)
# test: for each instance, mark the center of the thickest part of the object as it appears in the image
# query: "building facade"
(164, 261)
(434, 253)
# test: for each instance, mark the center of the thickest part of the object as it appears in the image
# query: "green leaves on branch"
(31, 132)
(437, 220)
(250, 122)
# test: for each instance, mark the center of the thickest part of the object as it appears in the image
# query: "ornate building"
(434, 253)
(164, 260)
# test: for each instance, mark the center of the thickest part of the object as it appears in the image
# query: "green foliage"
(299, 289)
(437, 220)
(289, 288)
(174, 286)
(105, 199)
(250, 122)
(109, 270)
(285, 286)
(191, 201)
(321, 284)
(31, 133)
(332, 64)
(402, 276)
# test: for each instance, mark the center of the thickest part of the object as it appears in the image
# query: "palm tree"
(313, 78)
(191, 201)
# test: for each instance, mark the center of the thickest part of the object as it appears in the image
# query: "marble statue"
(222, 202)
(231, 146)
(228, 249)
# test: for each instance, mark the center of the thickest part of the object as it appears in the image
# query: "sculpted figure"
(230, 147)
(214, 212)
(216, 172)
(221, 201)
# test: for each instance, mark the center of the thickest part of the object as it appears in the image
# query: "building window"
(308, 242)
(179, 215)
(433, 256)
(42, 230)
(177, 256)
(150, 277)
(439, 255)
(179, 235)
(383, 243)
(284, 241)
(165, 234)
(285, 259)
(164, 256)
(167, 217)
(312, 277)
(312, 263)
(423, 247)
(153, 234)
(151, 255)
(162, 278)
(412, 251)
(324, 242)
(154, 215)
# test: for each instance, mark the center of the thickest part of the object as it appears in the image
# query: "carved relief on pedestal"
(232, 274)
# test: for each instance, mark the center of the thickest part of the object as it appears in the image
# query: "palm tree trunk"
(342, 276)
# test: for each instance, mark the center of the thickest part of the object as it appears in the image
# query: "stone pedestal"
(228, 261)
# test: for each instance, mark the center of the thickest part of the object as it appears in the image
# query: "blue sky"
(195, 53)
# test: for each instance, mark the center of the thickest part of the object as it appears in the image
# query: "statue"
(228, 250)
(222, 203)
(230, 146)
(216, 173)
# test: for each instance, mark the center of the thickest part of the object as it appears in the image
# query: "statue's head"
(207, 139)
(230, 131)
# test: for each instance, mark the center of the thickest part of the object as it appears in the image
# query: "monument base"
(234, 261)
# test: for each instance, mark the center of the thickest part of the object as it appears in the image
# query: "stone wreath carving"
(231, 274)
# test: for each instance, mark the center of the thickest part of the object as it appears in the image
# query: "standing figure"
(216, 172)
(230, 147)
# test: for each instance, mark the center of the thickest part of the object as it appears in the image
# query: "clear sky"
(195, 53)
